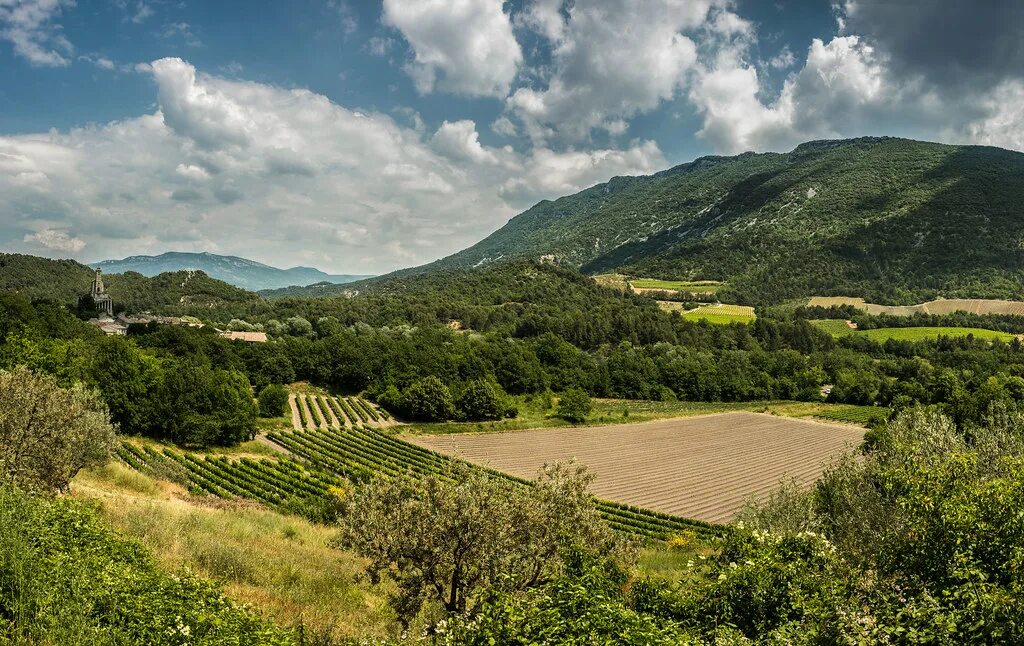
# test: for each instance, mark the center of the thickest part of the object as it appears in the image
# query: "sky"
(362, 136)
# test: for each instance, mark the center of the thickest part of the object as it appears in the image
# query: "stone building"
(99, 295)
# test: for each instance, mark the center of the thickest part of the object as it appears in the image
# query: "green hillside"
(892, 220)
(64, 281)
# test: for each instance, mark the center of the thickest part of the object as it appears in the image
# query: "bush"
(482, 400)
(428, 400)
(67, 580)
(49, 433)
(574, 406)
(273, 401)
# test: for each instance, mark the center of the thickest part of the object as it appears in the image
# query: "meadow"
(840, 328)
(692, 286)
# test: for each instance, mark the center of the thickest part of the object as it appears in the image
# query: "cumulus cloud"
(841, 84)
(55, 240)
(1002, 120)
(459, 140)
(461, 46)
(547, 172)
(283, 175)
(610, 60)
(30, 26)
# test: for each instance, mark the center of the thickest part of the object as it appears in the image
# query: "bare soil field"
(698, 467)
(941, 306)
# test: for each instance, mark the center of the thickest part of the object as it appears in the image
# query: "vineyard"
(855, 414)
(273, 482)
(328, 457)
(312, 411)
(358, 453)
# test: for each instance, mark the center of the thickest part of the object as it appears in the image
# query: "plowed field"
(698, 467)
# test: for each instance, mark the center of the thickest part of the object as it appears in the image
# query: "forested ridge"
(65, 281)
(891, 220)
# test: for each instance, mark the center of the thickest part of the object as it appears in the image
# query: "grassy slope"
(282, 565)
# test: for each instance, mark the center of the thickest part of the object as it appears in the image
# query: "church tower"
(100, 296)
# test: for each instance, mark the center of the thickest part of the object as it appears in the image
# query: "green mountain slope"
(64, 281)
(888, 219)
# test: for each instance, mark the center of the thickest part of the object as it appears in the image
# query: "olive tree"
(447, 537)
(48, 433)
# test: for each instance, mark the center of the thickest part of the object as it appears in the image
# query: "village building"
(98, 292)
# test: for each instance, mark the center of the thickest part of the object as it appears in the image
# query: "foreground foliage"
(65, 579)
(49, 433)
(446, 538)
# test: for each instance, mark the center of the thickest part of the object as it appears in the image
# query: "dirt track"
(698, 467)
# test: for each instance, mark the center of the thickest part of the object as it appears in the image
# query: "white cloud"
(783, 60)
(1002, 123)
(610, 60)
(29, 25)
(461, 46)
(55, 240)
(841, 83)
(282, 175)
(142, 13)
(503, 126)
(549, 173)
(460, 140)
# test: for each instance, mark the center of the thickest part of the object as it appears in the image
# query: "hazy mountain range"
(240, 272)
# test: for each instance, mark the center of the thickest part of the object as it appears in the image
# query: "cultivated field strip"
(361, 452)
(699, 467)
(293, 408)
(275, 483)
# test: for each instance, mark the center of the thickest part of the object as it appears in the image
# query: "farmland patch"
(700, 467)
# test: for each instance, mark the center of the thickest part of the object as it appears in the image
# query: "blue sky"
(363, 136)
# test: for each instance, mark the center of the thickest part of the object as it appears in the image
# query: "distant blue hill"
(240, 272)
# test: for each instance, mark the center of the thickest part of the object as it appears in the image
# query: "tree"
(273, 400)
(574, 406)
(448, 537)
(428, 400)
(482, 400)
(49, 433)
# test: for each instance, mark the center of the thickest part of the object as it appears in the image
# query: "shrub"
(482, 400)
(574, 406)
(273, 401)
(49, 433)
(68, 580)
(428, 400)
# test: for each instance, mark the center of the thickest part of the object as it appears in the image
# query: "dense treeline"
(193, 397)
(522, 329)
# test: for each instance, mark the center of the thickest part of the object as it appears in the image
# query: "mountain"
(64, 281)
(892, 220)
(240, 272)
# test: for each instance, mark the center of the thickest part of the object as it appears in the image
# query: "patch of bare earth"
(698, 467)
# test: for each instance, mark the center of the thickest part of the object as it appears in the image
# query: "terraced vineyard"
(312, 411)
(698, 467)
(359, 452)
(273, 482)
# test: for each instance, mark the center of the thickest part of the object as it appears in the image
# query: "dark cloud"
(951, 43)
